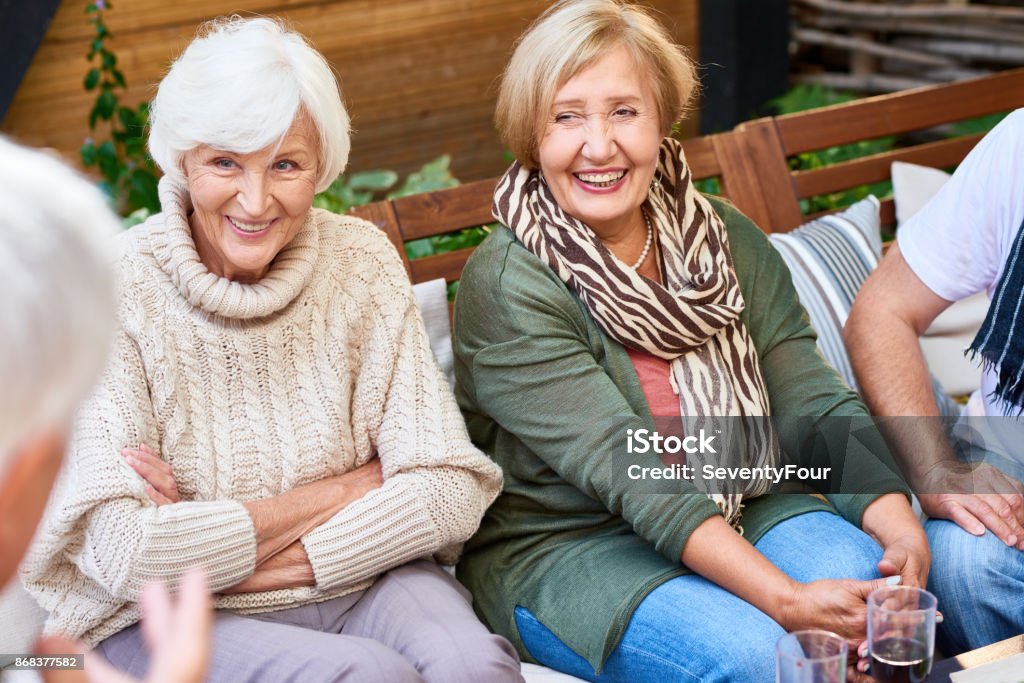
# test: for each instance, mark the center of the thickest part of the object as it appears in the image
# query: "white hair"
(238, 87)
(57, 306)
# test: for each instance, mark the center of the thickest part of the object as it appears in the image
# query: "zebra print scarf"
(693, 320)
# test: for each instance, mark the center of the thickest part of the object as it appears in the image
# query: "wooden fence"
(418, 76)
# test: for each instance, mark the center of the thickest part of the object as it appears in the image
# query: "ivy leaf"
(109, 59)
(128, 117)
(107, 158)
(88, 153)
(119, 78)
(92, 79)
(105, 104)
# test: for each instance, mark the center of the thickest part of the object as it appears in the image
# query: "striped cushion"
(829, 258)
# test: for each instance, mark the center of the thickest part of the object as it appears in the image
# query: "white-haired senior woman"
(273, 412)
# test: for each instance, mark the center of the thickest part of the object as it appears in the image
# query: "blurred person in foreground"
(272, 412)
(56, 323)
(615, 294)
(967, 239)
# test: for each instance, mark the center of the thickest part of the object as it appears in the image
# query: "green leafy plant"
(802, 97)
(129, 175)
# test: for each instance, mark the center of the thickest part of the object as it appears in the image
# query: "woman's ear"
(24, 489)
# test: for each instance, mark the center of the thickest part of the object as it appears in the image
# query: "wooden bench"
(751, 162)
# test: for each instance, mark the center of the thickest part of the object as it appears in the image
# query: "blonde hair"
(239, 87)
(566, 39)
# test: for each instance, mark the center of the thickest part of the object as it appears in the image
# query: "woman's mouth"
(249, 228)
(600, 180)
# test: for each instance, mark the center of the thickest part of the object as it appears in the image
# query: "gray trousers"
(414, 624)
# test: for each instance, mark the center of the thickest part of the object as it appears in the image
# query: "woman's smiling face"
(247, 207)
(599, 148)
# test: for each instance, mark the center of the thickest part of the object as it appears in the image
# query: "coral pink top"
(653, 373)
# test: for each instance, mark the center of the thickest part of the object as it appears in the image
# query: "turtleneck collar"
(175, 251)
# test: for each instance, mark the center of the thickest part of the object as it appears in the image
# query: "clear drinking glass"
(901, 634)
(810, 657)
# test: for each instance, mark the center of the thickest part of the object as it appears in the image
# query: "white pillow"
(943, 343)
(432, 298)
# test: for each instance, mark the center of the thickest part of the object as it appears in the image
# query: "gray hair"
(238, 87)
(57, 308)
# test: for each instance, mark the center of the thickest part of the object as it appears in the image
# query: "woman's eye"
(623, 113)
(224, 163)
(284, 166)
(566, 118)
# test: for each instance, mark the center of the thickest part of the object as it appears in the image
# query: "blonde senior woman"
(617, 292)
(57, 322)
(272, 412)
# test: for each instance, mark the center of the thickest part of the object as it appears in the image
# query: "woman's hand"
(892, 523)
(160, 483)
(837, 605)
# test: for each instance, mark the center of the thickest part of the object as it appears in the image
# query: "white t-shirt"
(957, 244)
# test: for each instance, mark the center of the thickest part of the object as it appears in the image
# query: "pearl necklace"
(647, 244)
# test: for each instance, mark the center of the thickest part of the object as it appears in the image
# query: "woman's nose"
(254, 194)
(599, 144)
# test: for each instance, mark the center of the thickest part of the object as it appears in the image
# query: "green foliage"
(982, 124)
(363, 188)
(129, 175)
(802, 97)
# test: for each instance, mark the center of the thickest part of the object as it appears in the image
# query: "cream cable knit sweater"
(248, 391)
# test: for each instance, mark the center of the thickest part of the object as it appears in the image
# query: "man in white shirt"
(967, 239)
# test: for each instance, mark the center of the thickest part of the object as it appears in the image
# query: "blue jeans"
(979, 582)
(688, 629)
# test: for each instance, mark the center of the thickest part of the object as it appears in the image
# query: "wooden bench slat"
(702, 157)
(875, 168)
(444, 211)
(900, 112)
(448, 265)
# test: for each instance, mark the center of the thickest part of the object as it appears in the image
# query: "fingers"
(56, 646)
(996, 515)
(181, 650)
(864, 588)
(157, 474)
(155, 605)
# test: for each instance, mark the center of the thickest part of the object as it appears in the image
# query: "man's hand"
(976, 498)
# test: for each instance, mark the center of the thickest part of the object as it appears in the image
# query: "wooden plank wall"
(418, 76)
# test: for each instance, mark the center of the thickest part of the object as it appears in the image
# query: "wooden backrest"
(447, 211)
(752, 163)
(754, 158)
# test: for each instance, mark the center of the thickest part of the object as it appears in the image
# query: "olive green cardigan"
(549, 396)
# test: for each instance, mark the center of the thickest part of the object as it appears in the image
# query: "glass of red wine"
(901, 634)
(811, 656)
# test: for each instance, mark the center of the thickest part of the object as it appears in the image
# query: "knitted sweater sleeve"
(101, 518)
(437, 484)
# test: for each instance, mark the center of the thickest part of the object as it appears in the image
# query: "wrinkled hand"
(976, 497)
(364, 478)
(908, 557)
(836, 605)
(177, 636)
(160, 484)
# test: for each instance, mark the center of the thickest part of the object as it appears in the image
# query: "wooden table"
(983, 655)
